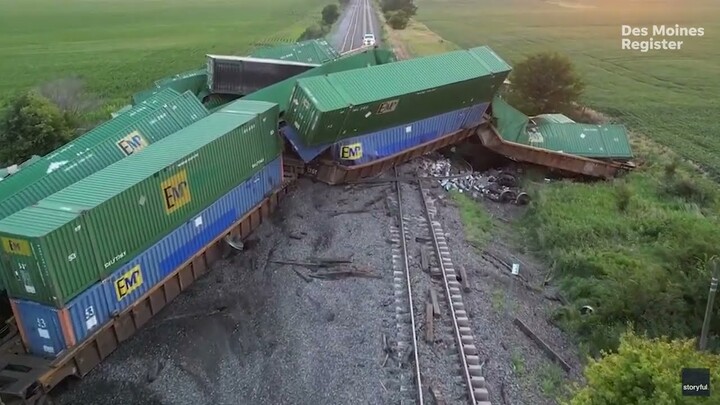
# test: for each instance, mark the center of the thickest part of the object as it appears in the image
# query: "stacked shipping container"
(392, 107)
(91, 249)
(159, 116)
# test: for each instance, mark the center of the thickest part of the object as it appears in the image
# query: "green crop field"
(629, 248)
(121, 47)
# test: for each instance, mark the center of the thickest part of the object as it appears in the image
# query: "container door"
(22, 274)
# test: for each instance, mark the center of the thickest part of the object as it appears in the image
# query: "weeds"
(476, 221)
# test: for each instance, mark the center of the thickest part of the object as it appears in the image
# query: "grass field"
(121, 47)
(629, 248)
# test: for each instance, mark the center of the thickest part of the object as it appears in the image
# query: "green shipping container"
(326, 109)
(74, 238)
(156, 125)
(193, 81)
(40, 167)
(280, 92)
(313, 51)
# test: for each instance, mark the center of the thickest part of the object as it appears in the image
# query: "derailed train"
(99, 244)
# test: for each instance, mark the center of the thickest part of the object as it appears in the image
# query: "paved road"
(357, 19)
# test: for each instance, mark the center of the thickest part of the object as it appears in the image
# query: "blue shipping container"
(377, 145)
(48, 331)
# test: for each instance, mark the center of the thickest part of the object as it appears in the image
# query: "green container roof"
(316, 51)
(593, 141)
(552, 119)
(65, 205)
(361, 86)
(557, 134)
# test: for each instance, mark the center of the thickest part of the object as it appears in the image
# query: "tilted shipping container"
(244, 75)
(135, 137)
(73, 149)
(312, 51)
(327, 109)
(47, 331)
(59, 247)
(193, 81)
(280, 93)
(387, 142)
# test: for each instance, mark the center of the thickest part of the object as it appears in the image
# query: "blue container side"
(367, 148)
(42, 325)
(306, 153)
(141, 274)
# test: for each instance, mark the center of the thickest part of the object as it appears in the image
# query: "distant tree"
(389, 6)
(644, 371)
(313, 32)
(330, 14)
(398, 20)
(32, 125)
(545, 83)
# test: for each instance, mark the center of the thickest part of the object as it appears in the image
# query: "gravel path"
(255, 332)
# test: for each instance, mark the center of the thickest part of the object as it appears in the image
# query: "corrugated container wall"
(77, 236)
(89, 140)
(47, 331)
(193, 81)
(241, 76)
(326, 109)
(316, 51)
(387, 142)
(280, 93)
(156, 125)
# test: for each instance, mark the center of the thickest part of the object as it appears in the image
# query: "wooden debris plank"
(543, 346)
(464, 279)
(429, 333)
(435, 302)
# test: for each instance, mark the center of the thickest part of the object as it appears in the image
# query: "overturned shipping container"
(330, 108)
(72, 239)
(280, 92)
(390, 141)
(244, 75)
(47, 331)
(317, 51)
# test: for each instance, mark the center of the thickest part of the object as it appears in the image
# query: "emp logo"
(16, 247)
(128, 282)
(132, 143)
(175, 192)
(351, 152)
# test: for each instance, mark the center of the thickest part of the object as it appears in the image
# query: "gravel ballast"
(255, 332)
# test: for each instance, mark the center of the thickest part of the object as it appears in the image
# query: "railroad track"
(434, 335)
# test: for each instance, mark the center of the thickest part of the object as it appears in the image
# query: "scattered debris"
(496, 185)
(235, 243)
(302, 276)
(361, 211)
(338, 274)
(429, 329)
(424, 262)
(331, 260)
(154, 370)
(587, 310)
(435, 303)
(545, 348)
(463, 279)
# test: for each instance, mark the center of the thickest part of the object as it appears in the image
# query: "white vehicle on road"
(368, 40)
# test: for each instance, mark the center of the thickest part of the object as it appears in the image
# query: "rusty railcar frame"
(562, 162)
(27, 379)
(330, 172)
